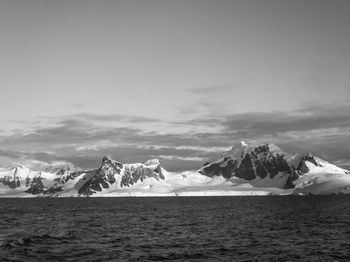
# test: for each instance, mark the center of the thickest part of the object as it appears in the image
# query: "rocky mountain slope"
(267, 164)
(110, 175)
(257, 169)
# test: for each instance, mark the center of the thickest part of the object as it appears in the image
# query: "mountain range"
(246, 169)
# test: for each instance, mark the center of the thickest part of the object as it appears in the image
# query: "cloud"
(85, 138)
(88, 147)
(314, 117)
(211, 100)
(29, 159)
(115, 118)
(79, 105)
(199, 159)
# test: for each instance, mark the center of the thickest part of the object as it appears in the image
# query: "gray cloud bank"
(84, 139)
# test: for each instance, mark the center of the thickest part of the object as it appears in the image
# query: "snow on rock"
(152, 162)
(23, 179)
(111, 175)
(246, 169)
(267, 164)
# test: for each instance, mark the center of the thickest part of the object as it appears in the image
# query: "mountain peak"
(18, 165)
(240, 144)
(152, 162)
(108, 161)
(249, 161)
(238, 148)
(274, 148)
(241, 148)
(107, 158)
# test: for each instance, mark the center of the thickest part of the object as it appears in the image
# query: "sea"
(271, 228)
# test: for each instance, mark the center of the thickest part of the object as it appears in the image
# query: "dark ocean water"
(276, 228)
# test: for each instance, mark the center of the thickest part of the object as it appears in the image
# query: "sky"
(178, 80)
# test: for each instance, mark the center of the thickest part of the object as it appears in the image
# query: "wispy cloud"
(189, 158)
(210, 90)
(116, 118)
(210, 101)
(308, 118)
(79, 105)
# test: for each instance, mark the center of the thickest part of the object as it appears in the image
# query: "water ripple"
(290, 228)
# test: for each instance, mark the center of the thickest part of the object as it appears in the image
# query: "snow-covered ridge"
(246, 169)
(268, 165)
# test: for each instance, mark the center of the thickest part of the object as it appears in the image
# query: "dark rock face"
(36, 186)
(269, 163)
(100, 178)
(96, 183)
(245, 169)
(54, 190)
(261, 170)
(260, 161)
(132, 174)
(27, 181)
(7, 182)
(226, 169)
(211, 170)
(11, 183)
(302, 167)
(289, 183)
(109, 168)
(309, 157)
(65, 179)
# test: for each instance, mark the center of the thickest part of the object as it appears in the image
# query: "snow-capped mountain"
(110, 175)
(20, 179)
(255, 169)
(268, 165)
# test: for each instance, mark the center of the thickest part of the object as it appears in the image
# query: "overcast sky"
(177, 80)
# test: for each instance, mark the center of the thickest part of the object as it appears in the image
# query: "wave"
(30, 240)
